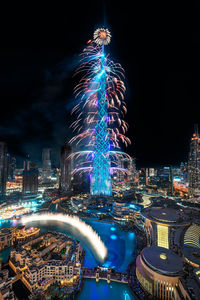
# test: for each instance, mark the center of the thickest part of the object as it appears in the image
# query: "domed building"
(191, 247)
(163, 225)
(158, 270)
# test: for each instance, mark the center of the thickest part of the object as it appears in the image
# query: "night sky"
(157, 43)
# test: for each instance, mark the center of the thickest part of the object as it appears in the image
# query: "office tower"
(3, 168)
(142, 176)
(11, 163)
(194, 165)
(46, 165)
(164, 178)
(132, 169)
(184, 171)
(30, 179)
(65, 167)
(151, 172)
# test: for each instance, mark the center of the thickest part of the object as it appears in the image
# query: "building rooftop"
(162, 260)
(164, 215)
(192, 254)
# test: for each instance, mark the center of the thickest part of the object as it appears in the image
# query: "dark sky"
(158, 45)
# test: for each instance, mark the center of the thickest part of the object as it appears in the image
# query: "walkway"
(104, 274)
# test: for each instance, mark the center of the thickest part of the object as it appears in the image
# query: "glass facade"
(162, 236)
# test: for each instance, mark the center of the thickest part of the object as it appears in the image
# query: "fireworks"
(99, 124)
(102, 36)
(87, 90)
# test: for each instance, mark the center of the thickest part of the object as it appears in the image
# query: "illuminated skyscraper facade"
(11, 161)
(99, 124)
(194, 165)
(46, 165)
(30, 179)
(3, 168)
(101, 183)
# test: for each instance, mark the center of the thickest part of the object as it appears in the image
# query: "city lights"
(79, 217)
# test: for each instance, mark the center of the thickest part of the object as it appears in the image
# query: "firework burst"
(102, 36)
(99, 123)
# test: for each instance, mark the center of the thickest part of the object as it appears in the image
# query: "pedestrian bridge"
(107, 274)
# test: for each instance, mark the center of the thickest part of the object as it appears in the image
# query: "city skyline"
(100, 151)
(161, 74)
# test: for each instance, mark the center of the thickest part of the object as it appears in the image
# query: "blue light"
(132, 206)
(126, 296)
(101, 183)
(131, 235)
(107, 264)
(113, 237)
(112, 228)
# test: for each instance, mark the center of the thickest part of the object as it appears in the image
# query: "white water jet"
(77, 223)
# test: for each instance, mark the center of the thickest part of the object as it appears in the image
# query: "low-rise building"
(19, 234)
(161, 225)
(6, 292)
(48, 258)
(158, 271)
(124, 211)
(6, 237)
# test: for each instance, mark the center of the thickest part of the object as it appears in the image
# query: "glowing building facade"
(158, 271)
(161, 223)
(194, 165)
(162, 236)
(30, 180)
(101, 183)
(99, 116)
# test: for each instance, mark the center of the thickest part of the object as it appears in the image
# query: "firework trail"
(99, 123)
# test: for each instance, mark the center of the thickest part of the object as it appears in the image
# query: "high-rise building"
(30, 179)
(46, 165)
(194, 165)
(131, 167)
(151, 172)
(65, 167)
(3, 168)
(11, 162)
(142, 176)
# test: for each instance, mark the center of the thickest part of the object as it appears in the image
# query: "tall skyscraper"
(194, 165)
(65, 167)
(3, 168)
(46, 165)
(30, 179)
(11, 162)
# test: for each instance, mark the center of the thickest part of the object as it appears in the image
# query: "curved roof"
(192, 236)
(163, 215)
(162, 260)
(192, 254)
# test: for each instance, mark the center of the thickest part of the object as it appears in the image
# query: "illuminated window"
(144, 282)
(162, 236)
